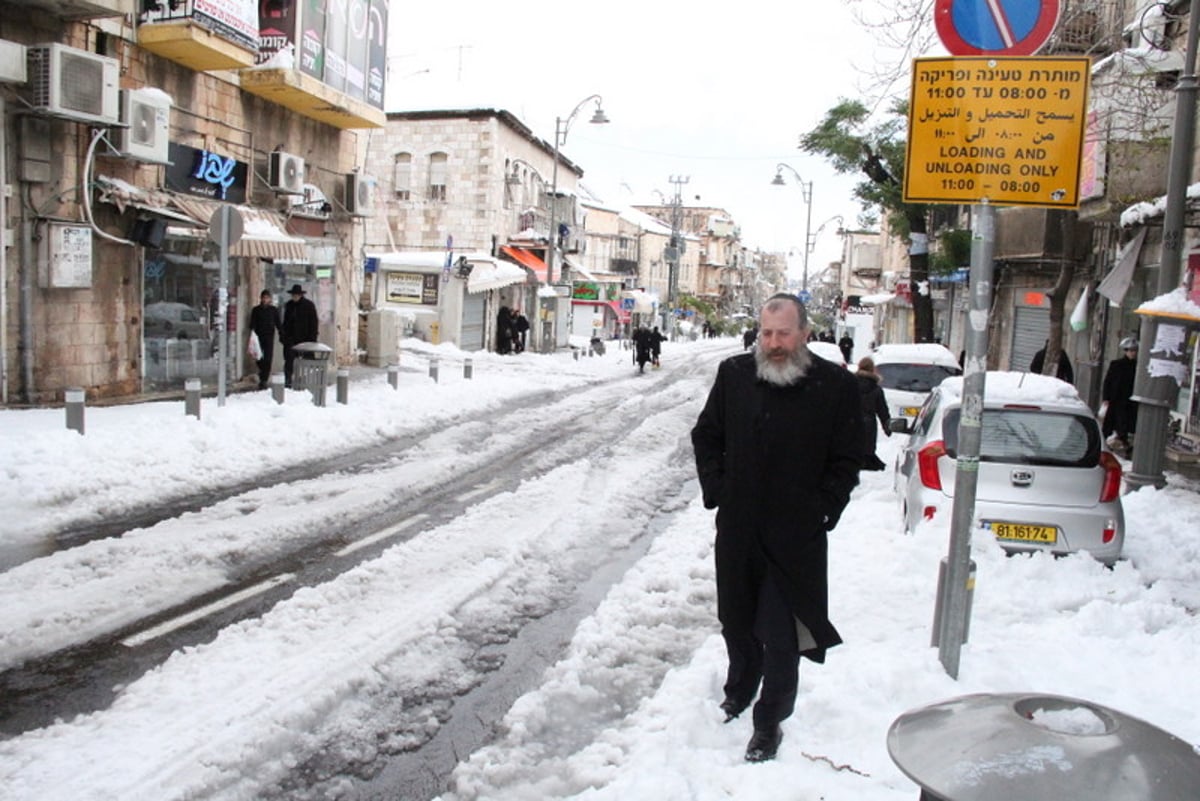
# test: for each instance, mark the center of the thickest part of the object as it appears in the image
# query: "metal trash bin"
(1036, 747)
(312, 359)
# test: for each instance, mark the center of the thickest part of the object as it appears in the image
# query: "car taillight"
(1110, 532)
(927, 463)
(1112, 478)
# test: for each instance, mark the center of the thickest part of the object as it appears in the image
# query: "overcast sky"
(715, 95)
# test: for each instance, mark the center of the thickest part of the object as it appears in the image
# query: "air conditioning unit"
(74, 84)
(285, 173)
(146, 115)
(360, 195)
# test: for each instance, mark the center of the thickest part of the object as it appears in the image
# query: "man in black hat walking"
(299, 325)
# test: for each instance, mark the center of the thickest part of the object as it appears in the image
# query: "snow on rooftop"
(915, 353)
(1139, 213)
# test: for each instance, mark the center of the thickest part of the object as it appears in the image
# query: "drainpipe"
(25, 333)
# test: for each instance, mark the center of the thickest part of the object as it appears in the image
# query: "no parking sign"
(995, 27)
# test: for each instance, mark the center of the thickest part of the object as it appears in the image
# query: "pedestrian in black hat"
(299, 325)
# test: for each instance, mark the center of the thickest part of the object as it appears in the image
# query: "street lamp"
(561, 126)
(806, 189)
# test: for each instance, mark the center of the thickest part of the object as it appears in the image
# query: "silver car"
(1047, 480)
(908, 372)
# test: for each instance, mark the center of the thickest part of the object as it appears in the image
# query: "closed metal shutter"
(472, 321)
(1031, 327)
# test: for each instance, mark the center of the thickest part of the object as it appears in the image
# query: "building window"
(437, 176)
(402, 176)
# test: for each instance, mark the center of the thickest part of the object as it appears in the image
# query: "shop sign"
(206, 174)
(412, 288)
(586, 290)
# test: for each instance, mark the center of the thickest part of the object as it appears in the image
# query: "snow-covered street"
(561, 467)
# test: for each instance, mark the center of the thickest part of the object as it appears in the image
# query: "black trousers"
(289, 362)
(765, 653)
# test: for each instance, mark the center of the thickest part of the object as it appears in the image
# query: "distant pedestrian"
(299, 324)
(264, 324)
(846, 346)
(520, 331)
(749, 335)
(1120, 415)
(1065, 371)
(641, 348)
(656, 340)
(874, 407)
(504, 331)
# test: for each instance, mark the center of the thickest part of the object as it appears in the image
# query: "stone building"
(127, 129)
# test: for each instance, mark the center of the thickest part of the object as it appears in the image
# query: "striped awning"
(263, 231)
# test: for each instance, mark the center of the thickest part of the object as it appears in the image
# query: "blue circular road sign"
(995, 27)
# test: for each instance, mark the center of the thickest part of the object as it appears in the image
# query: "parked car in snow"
(166, 320)
(1047, 481)
(909, 372)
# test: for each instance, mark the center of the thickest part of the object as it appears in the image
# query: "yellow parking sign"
(1001, 130)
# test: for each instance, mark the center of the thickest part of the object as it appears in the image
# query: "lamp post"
(561, 126)
(806, 189)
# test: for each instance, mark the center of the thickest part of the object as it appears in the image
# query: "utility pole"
(675, 251)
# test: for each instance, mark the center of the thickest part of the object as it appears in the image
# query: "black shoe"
(732, 709)
(764, 744)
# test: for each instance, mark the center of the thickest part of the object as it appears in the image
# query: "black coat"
(778, 464)
(1121, 416)
(874, 407)
(299, 322)
(1065, 371)
(264, 321)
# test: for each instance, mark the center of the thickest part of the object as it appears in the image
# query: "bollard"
(75, 397)
(343, 386)
(277, 387)
(468, 369)
(433, 368)
(575, 353)
(393, 371)
(191, 397)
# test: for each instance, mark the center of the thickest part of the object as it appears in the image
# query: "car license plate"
(1022, 532)
(911, 411)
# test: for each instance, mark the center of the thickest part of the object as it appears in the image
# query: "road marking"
(381, 535)
(480, 490)
(168, 626)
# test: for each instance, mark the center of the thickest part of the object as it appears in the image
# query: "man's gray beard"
(785, 374)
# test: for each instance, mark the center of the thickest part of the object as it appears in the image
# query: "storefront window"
(180, 304)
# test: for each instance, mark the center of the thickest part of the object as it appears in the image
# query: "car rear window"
(1029, 436)
(913, 377)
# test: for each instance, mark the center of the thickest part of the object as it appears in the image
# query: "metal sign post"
(988, 131)
(225, 229)
(952, 625)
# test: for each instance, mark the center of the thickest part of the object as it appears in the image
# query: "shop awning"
(526, 258)
(263, 234)
(492, 274)
(622, 315)
(877, 300)
(125, 195)
(578, 271)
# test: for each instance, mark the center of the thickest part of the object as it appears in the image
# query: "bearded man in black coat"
(778, 446)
